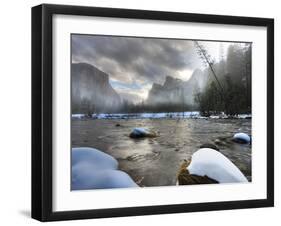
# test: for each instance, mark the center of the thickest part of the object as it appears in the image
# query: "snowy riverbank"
(176, 115)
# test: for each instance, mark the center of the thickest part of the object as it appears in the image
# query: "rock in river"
(208, 145)
(142, 132)
(241, 138)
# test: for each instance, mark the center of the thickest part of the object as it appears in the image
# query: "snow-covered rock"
(91, 156)
(98, 179)
(93, 169)
(142, 132)
(241, 138)
(211, 163)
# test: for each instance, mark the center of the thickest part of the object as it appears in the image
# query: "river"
(155, 161)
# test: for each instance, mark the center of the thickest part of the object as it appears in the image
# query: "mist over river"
(155, 161)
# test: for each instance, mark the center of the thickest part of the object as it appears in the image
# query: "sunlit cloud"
(184, 74)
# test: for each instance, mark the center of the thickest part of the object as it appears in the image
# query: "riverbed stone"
(209, 145)
(142, 133)
(241, 138)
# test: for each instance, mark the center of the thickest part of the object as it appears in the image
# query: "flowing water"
(155, 161)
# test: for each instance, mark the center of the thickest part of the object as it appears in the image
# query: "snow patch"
(77, 116)
(188, 114)
(211, 163)
(244, 116)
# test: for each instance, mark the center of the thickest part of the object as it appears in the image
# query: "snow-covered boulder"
(142, 132)
(242, 138)
(94, 157)
(211, 163)
(93, 169)
(100, 179)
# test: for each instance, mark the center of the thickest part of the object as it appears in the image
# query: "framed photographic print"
(145, 112)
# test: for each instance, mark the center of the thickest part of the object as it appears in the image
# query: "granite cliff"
(177, 91)
(91, 90)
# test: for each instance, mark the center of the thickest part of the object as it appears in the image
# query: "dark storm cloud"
(129, 59)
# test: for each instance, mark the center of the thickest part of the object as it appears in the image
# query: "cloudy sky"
(134, 64)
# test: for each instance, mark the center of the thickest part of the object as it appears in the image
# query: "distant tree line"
(234, 76)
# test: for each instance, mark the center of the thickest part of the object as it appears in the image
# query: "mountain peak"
(172, 82)
(91, 70)
(173, 89)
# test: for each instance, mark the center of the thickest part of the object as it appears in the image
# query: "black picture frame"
(42, 183)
